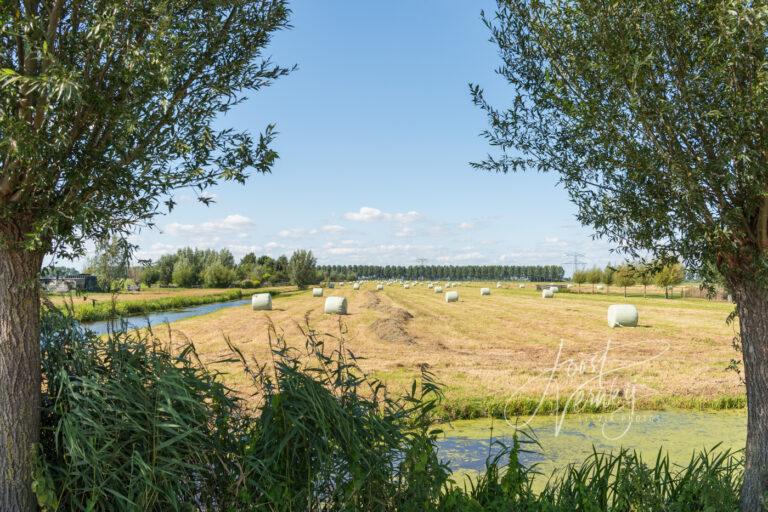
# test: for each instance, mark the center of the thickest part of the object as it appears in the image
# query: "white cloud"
(292, 233)
(405, 231)
(229, 224)
(368, 214)
(466, 225)
(333, 228)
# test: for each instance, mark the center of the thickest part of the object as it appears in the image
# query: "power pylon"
(576, 263)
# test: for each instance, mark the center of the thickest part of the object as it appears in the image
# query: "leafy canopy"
(653, 114)
(107, 107)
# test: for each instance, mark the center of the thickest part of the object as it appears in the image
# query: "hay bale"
(261, 302)
(406, 286)
(356, 286)
(336, 306)
(438, 289)
(498, 285)
(521, 286)
(622, 315)
(430, 286)
(451, 296)
(379, 287)
(317, 292)
(547, 293)
(485, 291)
(554, 289)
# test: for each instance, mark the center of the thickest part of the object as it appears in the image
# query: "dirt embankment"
(393, 328)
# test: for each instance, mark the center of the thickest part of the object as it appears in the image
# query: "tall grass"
(129, 425)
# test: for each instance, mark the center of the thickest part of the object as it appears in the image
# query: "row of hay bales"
(619, 315)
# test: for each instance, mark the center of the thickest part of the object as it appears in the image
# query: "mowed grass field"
(511, 349)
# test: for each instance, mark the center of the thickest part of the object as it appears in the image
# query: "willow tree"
(106, 108)
(653, 114)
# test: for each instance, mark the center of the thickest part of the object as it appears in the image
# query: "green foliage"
(108, 107)
(302, 268)
(625, 276)
(594, 276)
(110, 263)
(669, 275)
(215, 269)
(184, 273)
(128, 426)
(217, 275)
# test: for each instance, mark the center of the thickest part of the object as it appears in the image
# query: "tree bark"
(19, 373)
(752, 307)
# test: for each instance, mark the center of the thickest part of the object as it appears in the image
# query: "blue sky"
(376, 132)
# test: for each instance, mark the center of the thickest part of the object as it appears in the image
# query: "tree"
(110, 263)
(653, 114)
(645, 275)
(594, 276)
(217, 275)
(608, 276)
(579, 277)
(184, 273)
(625, 277)
(106, 108)
(301, 268)
(669, 276)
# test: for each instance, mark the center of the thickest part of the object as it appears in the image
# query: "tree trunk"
(19, 374)
(752, 307)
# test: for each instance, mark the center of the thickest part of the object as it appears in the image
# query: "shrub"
(126, 425)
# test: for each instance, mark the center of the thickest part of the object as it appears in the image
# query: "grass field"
(501, 351)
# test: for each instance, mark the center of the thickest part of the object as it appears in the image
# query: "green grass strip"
(108, 310)
(469, 408)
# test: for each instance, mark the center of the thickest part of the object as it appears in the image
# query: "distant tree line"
(631, 274)
(192, 267)
(450, 272)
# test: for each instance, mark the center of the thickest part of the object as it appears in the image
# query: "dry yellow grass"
(505, 346)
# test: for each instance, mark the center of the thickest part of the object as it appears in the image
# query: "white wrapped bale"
(336, 306)
(379, 287)
(554, 289)
(430, 286)
(317, 292)
(485, 291)
(498, 285)
(438, 289)
(599, 287)
(547, 293)
(261, 302)
(356, 286)
(451, 296)
(406, 286)
(622, 315)
(521, 286)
